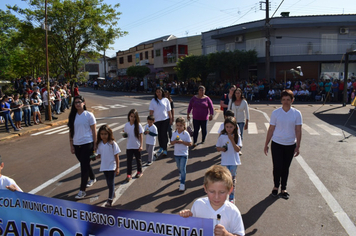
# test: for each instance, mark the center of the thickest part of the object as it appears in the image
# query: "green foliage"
(8, 31)
(76, 26)
(193, 67)
(138, 71)
(230, 63)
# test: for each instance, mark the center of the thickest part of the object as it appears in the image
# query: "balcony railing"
(311, 49)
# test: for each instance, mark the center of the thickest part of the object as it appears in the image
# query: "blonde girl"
(181, 141)
(134, 132)
(108, 151)
(229, 144)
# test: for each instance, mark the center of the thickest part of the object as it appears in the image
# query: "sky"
(149, 19)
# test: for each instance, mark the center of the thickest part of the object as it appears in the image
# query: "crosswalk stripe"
(58, 130)
(309, 130)
(252, 128)
(346, 130)
(45, 131)
(329, 130)
(215, 128)
(216, 115)
(64, 132)
(267, 125)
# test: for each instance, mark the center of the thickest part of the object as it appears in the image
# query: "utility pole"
(104, 64)
(47, 67)
(268, 43)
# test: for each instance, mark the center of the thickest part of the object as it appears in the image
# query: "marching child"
(229, 144)
(151, 134)
(108, 151)
(226, 114)
(181, 141)
(133, 131)
(217, 185)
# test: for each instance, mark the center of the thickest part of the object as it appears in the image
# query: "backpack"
(221, 108)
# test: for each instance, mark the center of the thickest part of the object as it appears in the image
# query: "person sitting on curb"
(6, 182)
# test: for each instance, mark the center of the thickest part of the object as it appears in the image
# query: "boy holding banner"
(218, 185)
(6, 182)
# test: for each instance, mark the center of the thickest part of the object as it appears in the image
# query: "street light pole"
(47, 67)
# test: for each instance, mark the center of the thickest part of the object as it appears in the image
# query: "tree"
(138, 71)
(76, 27)
(193, 67)
(8, 31)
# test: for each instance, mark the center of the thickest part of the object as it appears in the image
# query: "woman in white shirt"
(239, 106)
(160, 108)
(82, 138)
(285, 130)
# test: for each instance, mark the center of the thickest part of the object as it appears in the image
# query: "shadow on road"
(334, 117)
(252, 216)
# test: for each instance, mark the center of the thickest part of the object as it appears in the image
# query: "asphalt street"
(322, 181)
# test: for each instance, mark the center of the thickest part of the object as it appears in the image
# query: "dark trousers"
(83, 152)
(197, 124)
(27, 116)
(282, 156)
(130, 153)
(110, 181)
(162, 128)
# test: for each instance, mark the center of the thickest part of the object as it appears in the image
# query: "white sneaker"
(181, 187)
(80, 195)
(91, 183)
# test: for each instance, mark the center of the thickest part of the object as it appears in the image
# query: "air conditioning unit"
(344, 30)
(239, 39)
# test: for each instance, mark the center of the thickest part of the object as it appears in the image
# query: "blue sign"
(27, 214)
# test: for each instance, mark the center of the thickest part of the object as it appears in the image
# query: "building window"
(152, 54)
(141, 56)
(146, 55)
(129, 58)
(229, 47)
(158, 52)
(258, 44)
(121, 60)
(210, 49)
(328, 44)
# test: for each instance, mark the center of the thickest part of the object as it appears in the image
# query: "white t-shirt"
(241, 112)
(160, 109)
(6, 181)
(181, 149)
(107, 152)
(285, 122)
(132, 141)
(151, 140)
(230, 215)
(230, 157)
(82, 131)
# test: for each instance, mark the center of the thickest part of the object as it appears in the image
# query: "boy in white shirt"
(218, 185)
(6, 182)
(150, 131)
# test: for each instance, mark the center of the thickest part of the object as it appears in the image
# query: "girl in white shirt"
(108, 151)
(229, 144)
(181, 141)
(134, 132)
